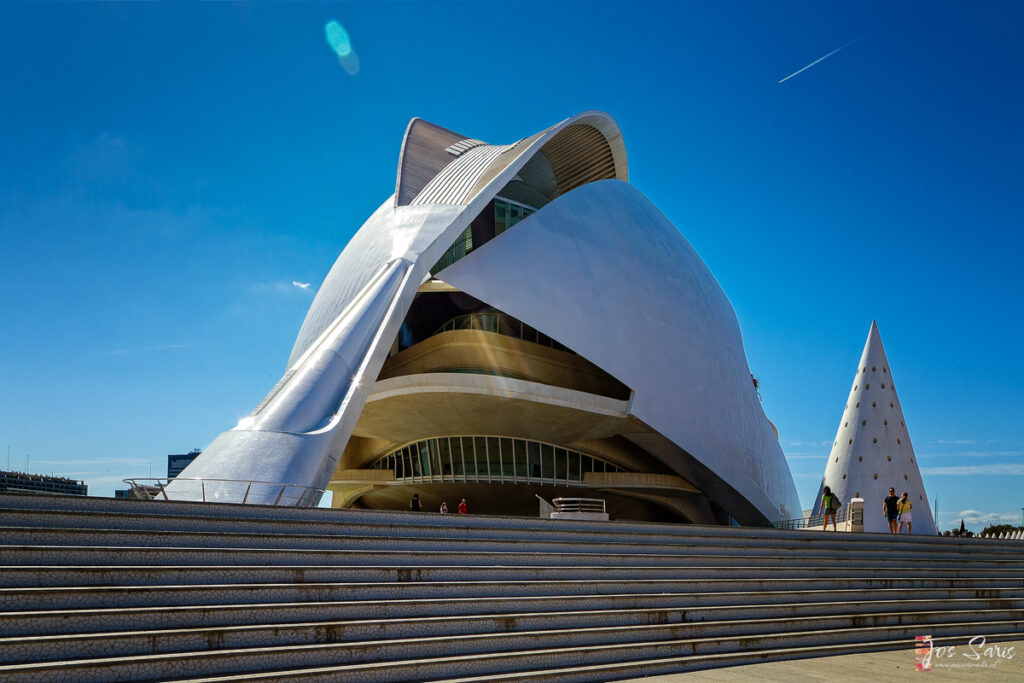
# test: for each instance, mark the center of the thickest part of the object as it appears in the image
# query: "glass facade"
(463, 245)
(490, 459)
(500, 323)
(506, 214)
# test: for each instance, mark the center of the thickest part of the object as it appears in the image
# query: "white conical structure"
(872, 449)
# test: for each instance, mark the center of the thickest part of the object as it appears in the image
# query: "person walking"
(414, 503)
(889, 509)
(829, 505)
(904, 505)
(463, 508)
(444, 507)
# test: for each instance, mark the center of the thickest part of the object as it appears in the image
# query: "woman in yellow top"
(828, 507)
(903, 506)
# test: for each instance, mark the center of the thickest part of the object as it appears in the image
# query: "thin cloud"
(959, 442)
(821, 59)
(301, 285)
(145, 349)
(812, 444)
(61, 462)
(1004, 469)
(972, 454)
(975, 518)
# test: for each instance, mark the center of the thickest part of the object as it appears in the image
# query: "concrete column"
(855, 516)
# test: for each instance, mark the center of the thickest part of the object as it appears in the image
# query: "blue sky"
(168, 171)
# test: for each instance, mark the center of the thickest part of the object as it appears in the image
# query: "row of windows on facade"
(19, 481)
(873, 405)
(490, 458)
(506, 214)
(876, 477)
(868, 386)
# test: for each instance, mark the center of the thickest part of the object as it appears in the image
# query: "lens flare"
(337, 38)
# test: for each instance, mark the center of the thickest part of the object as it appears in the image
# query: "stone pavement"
(869, 666)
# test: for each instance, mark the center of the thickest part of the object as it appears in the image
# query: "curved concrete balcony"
(496, 353)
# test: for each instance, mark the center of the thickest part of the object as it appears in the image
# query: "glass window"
(475, 455)
(500, 217)
(533, 458)
(508, 469)
(424, 460)
(521, 468)
(547, 460)
(442, 458)
(560, 462)
(490, 458)
(493, 459)
(463, 451)
(574, 466)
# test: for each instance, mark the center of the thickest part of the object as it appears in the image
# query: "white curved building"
(516, 320)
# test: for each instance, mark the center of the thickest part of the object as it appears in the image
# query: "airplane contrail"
(821, 59)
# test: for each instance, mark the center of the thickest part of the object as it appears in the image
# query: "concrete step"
(125, 555)
(432, 657)
(671, 606)
(613, 627)
(21, 536)
(402, 527)
(43, 576)
(633, 670)
(198, 513)
(606, 671)
(25, 599)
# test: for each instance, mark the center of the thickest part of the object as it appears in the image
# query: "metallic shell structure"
(515, 315)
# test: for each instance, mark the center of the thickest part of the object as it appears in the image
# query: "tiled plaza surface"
(892, 665)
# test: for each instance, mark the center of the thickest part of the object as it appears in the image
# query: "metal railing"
(225, 491)
(545, 508)
(579, 505)
(499, 323)
(817, 520)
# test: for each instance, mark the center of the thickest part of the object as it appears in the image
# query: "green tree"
(997, 529)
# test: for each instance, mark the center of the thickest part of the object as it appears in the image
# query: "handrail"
(811, 521)
(545, 508)
(499, 323)
(304, 496)
(579, 504)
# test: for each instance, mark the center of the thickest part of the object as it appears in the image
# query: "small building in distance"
(176, 463)
(22, 482)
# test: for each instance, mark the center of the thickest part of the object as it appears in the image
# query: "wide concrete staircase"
(95, 589)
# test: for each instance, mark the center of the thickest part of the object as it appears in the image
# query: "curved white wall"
(599, 269)
(602, 271)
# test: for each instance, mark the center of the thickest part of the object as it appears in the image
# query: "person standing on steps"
(444, 507)
(890, 511)
(904, 505)
(414, 504)
(463, 508)
(829, 505)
